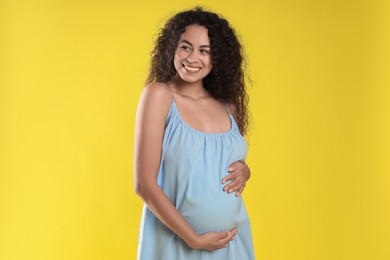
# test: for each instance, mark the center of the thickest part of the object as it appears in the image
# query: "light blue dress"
(193, 164)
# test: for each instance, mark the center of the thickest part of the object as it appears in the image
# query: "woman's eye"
(204, 51)
(186, 48)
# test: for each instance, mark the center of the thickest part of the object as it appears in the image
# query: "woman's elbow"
(143, 189)
(139, 189)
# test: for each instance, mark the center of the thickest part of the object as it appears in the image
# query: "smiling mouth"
(191, 69)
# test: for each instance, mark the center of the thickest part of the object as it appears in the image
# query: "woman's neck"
(194, 90)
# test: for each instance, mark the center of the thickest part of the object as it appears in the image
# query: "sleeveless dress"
(193, 163)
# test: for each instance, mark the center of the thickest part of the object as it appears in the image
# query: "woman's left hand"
(239, 174)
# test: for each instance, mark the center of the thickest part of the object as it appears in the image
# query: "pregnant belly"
(218, 211)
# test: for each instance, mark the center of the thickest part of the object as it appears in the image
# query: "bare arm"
(152, 110)
(239, 172)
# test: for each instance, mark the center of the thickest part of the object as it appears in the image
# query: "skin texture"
(200, 111)
(227, 80)
(194, 53)
(239, 174)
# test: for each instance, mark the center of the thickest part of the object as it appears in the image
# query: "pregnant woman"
(189, 145)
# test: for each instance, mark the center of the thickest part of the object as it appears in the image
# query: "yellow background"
(70, 76)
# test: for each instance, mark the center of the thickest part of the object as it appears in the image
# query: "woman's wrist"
(193, 240)
(248, 171)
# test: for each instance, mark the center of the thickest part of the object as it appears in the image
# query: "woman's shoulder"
(232, 109)
(157, 93)
(157, 90)
(154, 105)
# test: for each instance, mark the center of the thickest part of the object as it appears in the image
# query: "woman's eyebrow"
(202, 46)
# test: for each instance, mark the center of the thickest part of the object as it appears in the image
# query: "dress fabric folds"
(193, 163)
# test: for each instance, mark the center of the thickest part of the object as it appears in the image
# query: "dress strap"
(227, 108)
(232, 120)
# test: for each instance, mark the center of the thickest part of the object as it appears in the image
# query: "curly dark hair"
(226, 80)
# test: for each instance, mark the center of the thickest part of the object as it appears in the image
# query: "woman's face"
(192, 57)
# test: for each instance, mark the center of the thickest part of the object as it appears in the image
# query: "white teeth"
(191, 69)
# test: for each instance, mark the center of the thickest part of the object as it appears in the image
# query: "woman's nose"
(192, 57)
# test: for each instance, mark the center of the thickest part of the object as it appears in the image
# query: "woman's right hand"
(214, 240)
